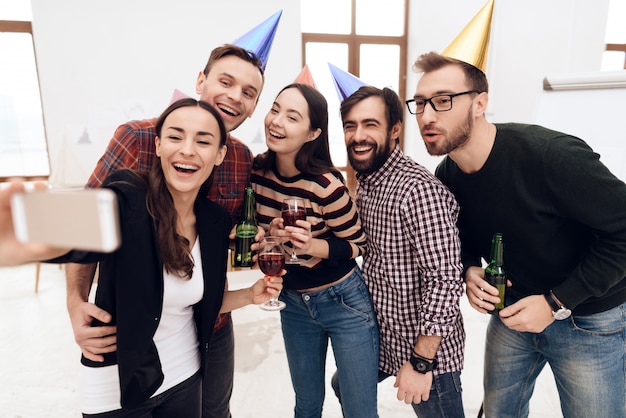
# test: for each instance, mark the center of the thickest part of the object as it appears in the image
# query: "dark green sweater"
(562, 213)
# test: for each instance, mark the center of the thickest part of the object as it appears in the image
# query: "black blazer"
(130, 285)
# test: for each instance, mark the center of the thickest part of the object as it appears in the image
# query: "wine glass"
(293, 210)
(272, 261)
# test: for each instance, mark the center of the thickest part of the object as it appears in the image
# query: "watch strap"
(422, 364)
(553, 304)
(559, 311)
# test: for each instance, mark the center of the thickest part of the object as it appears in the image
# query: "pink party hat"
(259, 39)
(177, 95)
(305, 77)
(345, 83)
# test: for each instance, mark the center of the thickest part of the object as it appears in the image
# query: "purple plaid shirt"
(412, 265)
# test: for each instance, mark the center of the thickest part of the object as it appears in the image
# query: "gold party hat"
(470, 45)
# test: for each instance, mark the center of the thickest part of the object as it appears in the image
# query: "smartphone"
(82, 219)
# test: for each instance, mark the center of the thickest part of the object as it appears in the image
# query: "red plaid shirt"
(132, 146)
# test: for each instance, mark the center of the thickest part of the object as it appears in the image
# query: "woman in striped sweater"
(325, 294)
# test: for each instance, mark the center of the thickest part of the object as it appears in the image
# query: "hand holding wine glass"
(293, 210)
(271, 261)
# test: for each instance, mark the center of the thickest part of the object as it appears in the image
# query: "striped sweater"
(333, 217)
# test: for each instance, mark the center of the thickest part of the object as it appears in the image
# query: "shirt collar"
(387, 168)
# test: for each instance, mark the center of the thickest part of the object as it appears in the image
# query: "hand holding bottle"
(481, 295)
(260, 234)
(494, 272)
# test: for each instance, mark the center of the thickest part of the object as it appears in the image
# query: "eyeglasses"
(441, 103)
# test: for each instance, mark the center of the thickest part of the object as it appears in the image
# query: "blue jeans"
(345, 315)
(217, 386)
(183, 400)
(586, 355)
(445, 398)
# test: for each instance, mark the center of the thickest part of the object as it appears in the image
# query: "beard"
(377, 159)
(456, 139)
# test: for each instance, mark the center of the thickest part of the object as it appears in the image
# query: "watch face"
(562, 313)
(422, 366)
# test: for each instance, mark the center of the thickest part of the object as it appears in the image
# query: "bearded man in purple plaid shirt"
(412, 265)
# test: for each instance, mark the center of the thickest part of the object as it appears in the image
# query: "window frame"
(354, 42)
(22, 26)
(617, 47)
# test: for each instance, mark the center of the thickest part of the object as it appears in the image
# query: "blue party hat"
(259, 39)
(345, 83)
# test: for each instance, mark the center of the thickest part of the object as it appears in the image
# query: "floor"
(39, 359)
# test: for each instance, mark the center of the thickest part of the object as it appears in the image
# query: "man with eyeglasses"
(412, 264)
(563, 219)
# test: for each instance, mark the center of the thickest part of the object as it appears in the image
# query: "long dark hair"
(314, 156)
(174, 248)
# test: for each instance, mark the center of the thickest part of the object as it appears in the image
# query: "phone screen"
(85, 219)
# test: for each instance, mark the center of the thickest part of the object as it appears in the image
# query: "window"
(364, 37)
(23, 147)
(614, 58)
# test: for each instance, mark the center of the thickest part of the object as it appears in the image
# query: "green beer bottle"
(246, 231)
(494, 272)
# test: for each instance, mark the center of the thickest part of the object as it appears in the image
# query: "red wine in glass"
(272, 261)
(293, 209)
(290, 216)
(272, 264)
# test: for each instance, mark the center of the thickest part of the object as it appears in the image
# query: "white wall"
(529, 40)
(103, 63)
(593, 114)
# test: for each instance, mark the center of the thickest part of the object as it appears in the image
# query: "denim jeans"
(183, 400)
(445, 398)
(586, 355)
(345, 315)
(217, 386)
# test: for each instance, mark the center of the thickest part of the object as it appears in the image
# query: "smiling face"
(233, 87)
(445, 132)
(287, 124)
(189, 149)
(369, 141)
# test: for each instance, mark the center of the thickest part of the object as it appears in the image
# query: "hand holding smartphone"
(85, 219)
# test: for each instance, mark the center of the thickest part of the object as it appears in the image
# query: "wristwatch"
(559, 311)
(422, 365)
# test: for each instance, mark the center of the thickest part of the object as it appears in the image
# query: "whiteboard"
(597, 116)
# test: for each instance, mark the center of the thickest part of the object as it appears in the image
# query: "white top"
(176, 340)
